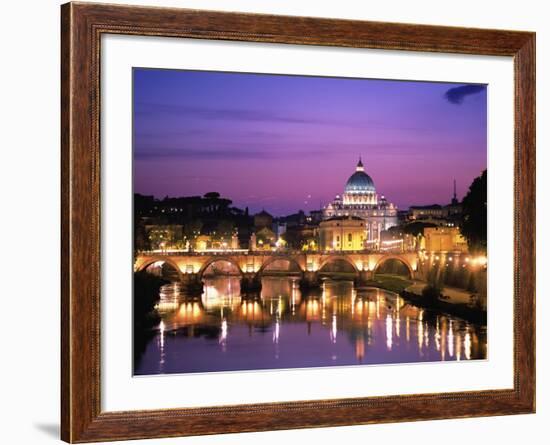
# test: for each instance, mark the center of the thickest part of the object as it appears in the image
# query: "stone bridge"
(191, 266)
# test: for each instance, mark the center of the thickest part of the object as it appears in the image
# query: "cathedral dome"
(360, 182)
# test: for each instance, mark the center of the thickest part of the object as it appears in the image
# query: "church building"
(360, 200)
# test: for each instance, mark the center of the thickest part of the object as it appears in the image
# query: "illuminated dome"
(360, 182)
(360, 201)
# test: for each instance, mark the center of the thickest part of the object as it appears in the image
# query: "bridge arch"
(332, 259)
(279, 258)
(153, 260)
(216, 259)
(399, 258)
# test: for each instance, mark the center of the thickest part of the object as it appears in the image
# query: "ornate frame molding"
(82, 25)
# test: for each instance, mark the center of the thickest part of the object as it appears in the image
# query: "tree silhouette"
(474, 214)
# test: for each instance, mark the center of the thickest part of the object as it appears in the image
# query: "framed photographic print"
(276, 222)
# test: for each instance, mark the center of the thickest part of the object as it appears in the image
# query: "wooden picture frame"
(82, 26)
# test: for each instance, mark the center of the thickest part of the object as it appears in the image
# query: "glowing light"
(334, 329)
(392, 242)
(389, 332)
(190, 312)
(458, 348)
(196, 310)
(359, 307)
(398, 326)
(450, 340)
(161, 329)
(420, 334)
(312, 309)
(426, 336)
(223, 333)
(276, 332)
(467, 346)
(161, 344)
(437, 335)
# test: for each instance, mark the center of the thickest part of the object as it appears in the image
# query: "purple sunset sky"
(285, 143)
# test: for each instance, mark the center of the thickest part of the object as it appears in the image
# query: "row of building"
(359, 219)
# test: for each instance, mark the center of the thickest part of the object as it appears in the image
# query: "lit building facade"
(446, 239)
(342, 233)
(164, 236)
(360, 200)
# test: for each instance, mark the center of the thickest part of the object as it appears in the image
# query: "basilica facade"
(360, 202)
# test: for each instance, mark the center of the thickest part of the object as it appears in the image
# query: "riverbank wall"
(461, 310)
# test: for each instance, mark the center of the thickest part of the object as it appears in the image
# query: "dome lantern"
(360, 167)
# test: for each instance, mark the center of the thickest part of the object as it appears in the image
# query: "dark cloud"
(265, 150)
(456, 95)
(149, 110)
(235, 114)
(156, 136)
(222, 153)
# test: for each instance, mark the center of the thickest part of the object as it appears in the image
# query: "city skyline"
(288, 143)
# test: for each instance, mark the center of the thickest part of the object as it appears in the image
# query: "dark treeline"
(474, 214)
(197, 215)
(146, 296)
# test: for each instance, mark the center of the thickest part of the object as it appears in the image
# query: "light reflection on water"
(282, 328)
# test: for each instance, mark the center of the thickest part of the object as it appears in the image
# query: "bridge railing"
(260, 252)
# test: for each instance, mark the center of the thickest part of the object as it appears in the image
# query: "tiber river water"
(281, 328)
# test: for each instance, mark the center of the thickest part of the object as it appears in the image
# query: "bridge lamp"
(482, 260)
(310, 267)
(189, 268)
